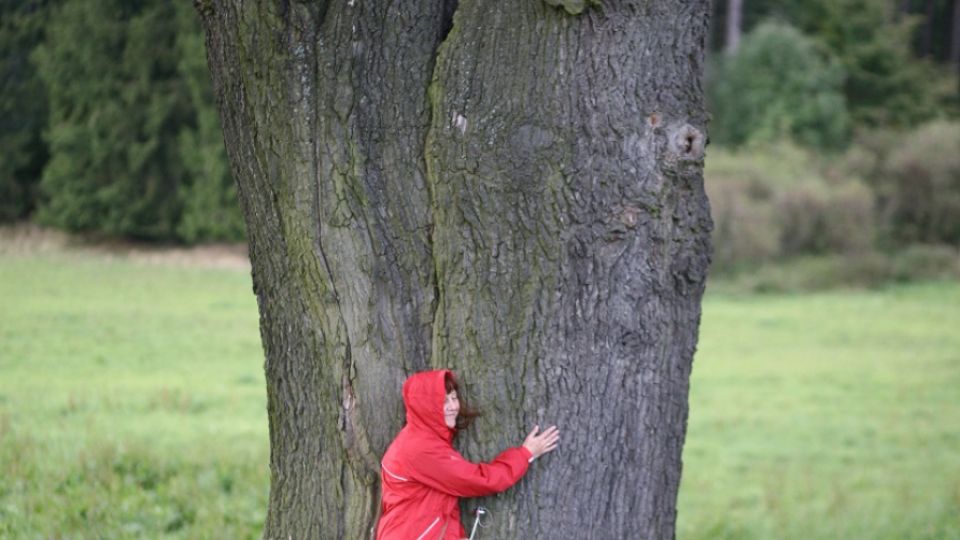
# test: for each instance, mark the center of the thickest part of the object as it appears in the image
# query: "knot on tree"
(622, 220)
(685, 143)
(573, 7)
(628, 216)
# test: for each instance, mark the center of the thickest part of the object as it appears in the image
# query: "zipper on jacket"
(424, 533)
(386, 470)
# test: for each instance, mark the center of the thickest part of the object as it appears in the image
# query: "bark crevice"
(433, 94)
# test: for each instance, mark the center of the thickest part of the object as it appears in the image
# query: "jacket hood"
(423, 396)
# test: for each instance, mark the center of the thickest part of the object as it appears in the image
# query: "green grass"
(829, 415)
(131, 400)
(132, 405)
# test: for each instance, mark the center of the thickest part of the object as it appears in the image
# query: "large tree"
(511, 189)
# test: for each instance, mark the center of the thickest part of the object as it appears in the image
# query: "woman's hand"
(539, 445)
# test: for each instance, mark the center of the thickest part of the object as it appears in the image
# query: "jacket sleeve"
(444, 469)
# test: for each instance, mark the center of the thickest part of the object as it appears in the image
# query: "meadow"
(132, 405)
(832, 415)
(132, 401)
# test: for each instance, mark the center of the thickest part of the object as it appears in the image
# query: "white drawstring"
(481, 511)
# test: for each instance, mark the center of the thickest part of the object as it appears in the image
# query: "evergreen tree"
(208, 195)
(779, 83)
(23, 109)
(134, 139)
(116, 105)
(886, 84)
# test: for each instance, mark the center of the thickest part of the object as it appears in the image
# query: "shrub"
(920, 185)
(780, 83)
(771, 203)
(817, 217)
(742, 219)
(924, 262)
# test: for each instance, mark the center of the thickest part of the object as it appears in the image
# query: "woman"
(422, 476)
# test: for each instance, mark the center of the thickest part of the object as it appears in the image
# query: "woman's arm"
(447, 471)
(444, 469)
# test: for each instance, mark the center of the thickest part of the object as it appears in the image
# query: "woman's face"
(451, 408)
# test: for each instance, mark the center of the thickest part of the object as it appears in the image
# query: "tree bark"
(501, 188)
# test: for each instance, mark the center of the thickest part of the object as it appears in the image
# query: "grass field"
(829, 416)
(132, 405)
(131, 400)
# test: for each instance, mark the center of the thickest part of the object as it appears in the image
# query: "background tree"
(501, 188)
(780, 84)
(208, 196)
(23, 111)
(876, 43)
(955, 37)
(110, 70)
(133, 137)
(734, 24)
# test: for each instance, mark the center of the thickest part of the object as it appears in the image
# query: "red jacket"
(423, 476)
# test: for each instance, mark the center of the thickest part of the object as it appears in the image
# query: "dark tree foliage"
(132, 133)
(23, 111)
(874, 42)
(778, 84)
(886, 85)
(933, 20)
(208, 195)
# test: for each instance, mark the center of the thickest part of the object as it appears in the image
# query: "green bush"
(743, 187)
(926, 262)
(920, 185)
(817, 217)
(915, 179)
(779, 83)
(741, 223)
(771, 202)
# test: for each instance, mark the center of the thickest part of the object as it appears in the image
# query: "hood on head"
(423, 396)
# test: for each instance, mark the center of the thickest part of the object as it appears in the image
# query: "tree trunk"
(926, 32)
(501, 188)
(955, 41)
(734, 25)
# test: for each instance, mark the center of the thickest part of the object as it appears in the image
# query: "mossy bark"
(499, 188)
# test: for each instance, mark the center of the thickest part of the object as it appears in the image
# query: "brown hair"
(467, 413)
